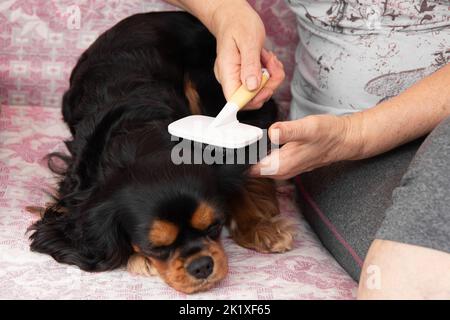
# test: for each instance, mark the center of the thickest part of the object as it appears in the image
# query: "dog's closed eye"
(162, 233)
(214, 230)
(161, 253)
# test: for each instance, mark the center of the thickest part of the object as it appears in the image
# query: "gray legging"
(402, 195)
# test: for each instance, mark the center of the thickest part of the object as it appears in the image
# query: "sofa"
(40, 42)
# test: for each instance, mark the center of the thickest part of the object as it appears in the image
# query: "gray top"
(355, 53)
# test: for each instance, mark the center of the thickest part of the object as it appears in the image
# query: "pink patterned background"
(38, 49)
(40, 42)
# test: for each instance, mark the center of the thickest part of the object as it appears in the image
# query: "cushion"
(27, 134)
(41, 40)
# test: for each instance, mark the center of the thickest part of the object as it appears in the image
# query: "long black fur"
(124, 91)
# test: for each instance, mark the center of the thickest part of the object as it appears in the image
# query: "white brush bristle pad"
(233, 135)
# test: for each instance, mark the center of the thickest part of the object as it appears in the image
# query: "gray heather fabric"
(356, 197)
(353, 54)
(420, 213)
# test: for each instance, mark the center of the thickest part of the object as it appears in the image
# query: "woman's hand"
(240, 38)
(309, 143)
(316, 141)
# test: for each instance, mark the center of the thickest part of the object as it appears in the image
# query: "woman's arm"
(319, 140)
(240, 38)
(408, 116)
(203, 10)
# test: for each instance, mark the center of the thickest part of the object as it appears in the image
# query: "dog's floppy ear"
(93, 240)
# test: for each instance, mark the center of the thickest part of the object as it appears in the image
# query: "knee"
(394, 270)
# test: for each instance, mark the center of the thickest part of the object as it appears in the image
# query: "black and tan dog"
(121, 199)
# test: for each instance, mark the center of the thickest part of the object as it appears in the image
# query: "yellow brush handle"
(242, 96)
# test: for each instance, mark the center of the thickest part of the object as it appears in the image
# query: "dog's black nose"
(201, 268)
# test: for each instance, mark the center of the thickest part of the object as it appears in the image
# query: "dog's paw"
(268, 236)
(274, 235)
(140, 265)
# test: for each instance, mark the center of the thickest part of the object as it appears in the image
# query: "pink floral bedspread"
(28, 133)
(40, 41)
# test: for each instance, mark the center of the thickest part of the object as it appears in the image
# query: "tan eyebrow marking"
(162, 233)
(203, 217)
(192, 96)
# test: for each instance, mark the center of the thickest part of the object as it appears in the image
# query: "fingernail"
(251, 83)
(274, 133)
(276, 125)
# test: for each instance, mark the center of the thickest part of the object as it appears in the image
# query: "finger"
(275, 68)
(279, 165)
(283, 132)
(227, 68)
(265, 55)
(262, 97)
(267, 166)
(216, 71)
(228, 78)
(250, 51)
(277, 75)
(287, 131)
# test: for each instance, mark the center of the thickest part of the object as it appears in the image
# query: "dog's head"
(181, 242)
(172, 217)
(176, 225)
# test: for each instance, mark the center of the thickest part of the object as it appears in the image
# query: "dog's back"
(143, 60)
(136, 78)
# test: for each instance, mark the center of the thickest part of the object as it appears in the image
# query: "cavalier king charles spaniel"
(121, 200)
